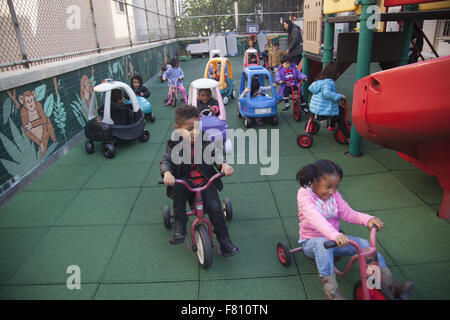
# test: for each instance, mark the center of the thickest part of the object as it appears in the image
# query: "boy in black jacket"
(138, 86)
(186, 118)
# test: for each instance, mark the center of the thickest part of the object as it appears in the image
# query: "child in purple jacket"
(320, 207)
(287, 73)
(175, 73)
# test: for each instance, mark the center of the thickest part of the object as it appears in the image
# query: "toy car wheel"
(145, 136)
(108, 150)
(248, 122)
(283, 254)
(304, 140)
(274, 120)
(227, 209)
(89, 146)
(314, 127)
(167, 217)
(296, 112)
(239, 113)
(233, 94)
(152, 117)
(374, 294)
(225, 100)
(339, 136)
(204, 247)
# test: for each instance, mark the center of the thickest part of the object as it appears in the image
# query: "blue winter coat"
(325, 99)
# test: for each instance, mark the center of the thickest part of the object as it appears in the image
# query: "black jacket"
(182, 171)
(295, 41)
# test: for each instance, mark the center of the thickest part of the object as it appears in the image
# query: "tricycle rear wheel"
(283, 254)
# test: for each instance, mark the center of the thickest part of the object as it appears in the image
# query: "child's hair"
(203, 90)
(329, 72)
(285, 59)
(216, 55)
(316, 170)
(137, 76)
(184, 113)
(173, 62)
(252, 57)
(255, 85)
(116, 95)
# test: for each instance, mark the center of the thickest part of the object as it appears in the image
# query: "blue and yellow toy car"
(262, 102)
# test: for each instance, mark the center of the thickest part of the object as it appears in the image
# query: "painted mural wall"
(39, 118)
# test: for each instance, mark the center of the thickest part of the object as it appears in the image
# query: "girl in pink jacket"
(320, 207)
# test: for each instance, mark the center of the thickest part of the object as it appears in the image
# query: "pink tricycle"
(201, 237)
(366, 257)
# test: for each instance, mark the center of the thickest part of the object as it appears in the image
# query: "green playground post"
(305, 71)
(328, 41)
(407, 32)
(362, 64)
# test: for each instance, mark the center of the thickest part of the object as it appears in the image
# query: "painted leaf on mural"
(40, 92)
(48, 105)
(7, 110)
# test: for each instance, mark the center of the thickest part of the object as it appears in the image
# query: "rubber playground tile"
(119, 175)
(186, 290)
(145, 254)
(250, 200)
(269, 288)
(350, 165)
(70, 177)
(100, 207)
(158, 136)
(135, 152)
(431, 280)
(35, 208)
(390, 159)
(256, 240)
(376, 191)
(248, 172)
(148, 207)
(414, 235)
(160, 124)
(89, 248)
(47, 292)
(78, 155)
(285, 194)
(154, 175)
(425, 186)
(15, 247)
(289, 165)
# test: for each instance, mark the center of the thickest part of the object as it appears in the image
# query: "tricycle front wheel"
(374, 294)
(204, 247)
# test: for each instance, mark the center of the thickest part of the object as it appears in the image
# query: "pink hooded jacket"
(321, 219)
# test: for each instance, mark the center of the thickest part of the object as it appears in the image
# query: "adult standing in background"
(295, 41)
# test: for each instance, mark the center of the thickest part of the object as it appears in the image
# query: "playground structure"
(366, 46)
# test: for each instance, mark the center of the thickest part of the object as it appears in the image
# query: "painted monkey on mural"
(37, 126)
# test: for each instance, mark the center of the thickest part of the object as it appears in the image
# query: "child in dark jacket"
(206, 101)
(197, 174)
(138, 86)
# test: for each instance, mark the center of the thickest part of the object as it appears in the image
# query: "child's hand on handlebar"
(169, 179)
(343, 97)
(341, 240)
(375, 222)
(227, 169)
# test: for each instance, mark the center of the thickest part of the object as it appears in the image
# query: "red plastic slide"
(407, 109)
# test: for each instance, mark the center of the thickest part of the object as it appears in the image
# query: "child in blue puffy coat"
(325, 100)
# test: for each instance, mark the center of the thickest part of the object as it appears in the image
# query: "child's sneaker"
(180, 234)
(168, 103)
(286, 107)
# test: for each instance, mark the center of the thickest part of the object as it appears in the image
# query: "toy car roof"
(251, 50)
(256, 70)
(204, 83)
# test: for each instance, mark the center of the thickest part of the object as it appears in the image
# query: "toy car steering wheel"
(209, 112)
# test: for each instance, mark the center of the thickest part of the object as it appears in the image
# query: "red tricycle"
(173, 93)
(297, 106)
(339, 124)
(201, 236)
(366, 258)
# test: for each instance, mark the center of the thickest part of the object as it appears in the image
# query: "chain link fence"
(33, 32)
(197, 18)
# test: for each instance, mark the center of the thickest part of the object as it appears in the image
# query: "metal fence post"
(128, 23)
(159, 19)
(94, 24)
(18, 34)
(146, 20)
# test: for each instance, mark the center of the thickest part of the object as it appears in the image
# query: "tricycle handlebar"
(331, 244)
(210, 181)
